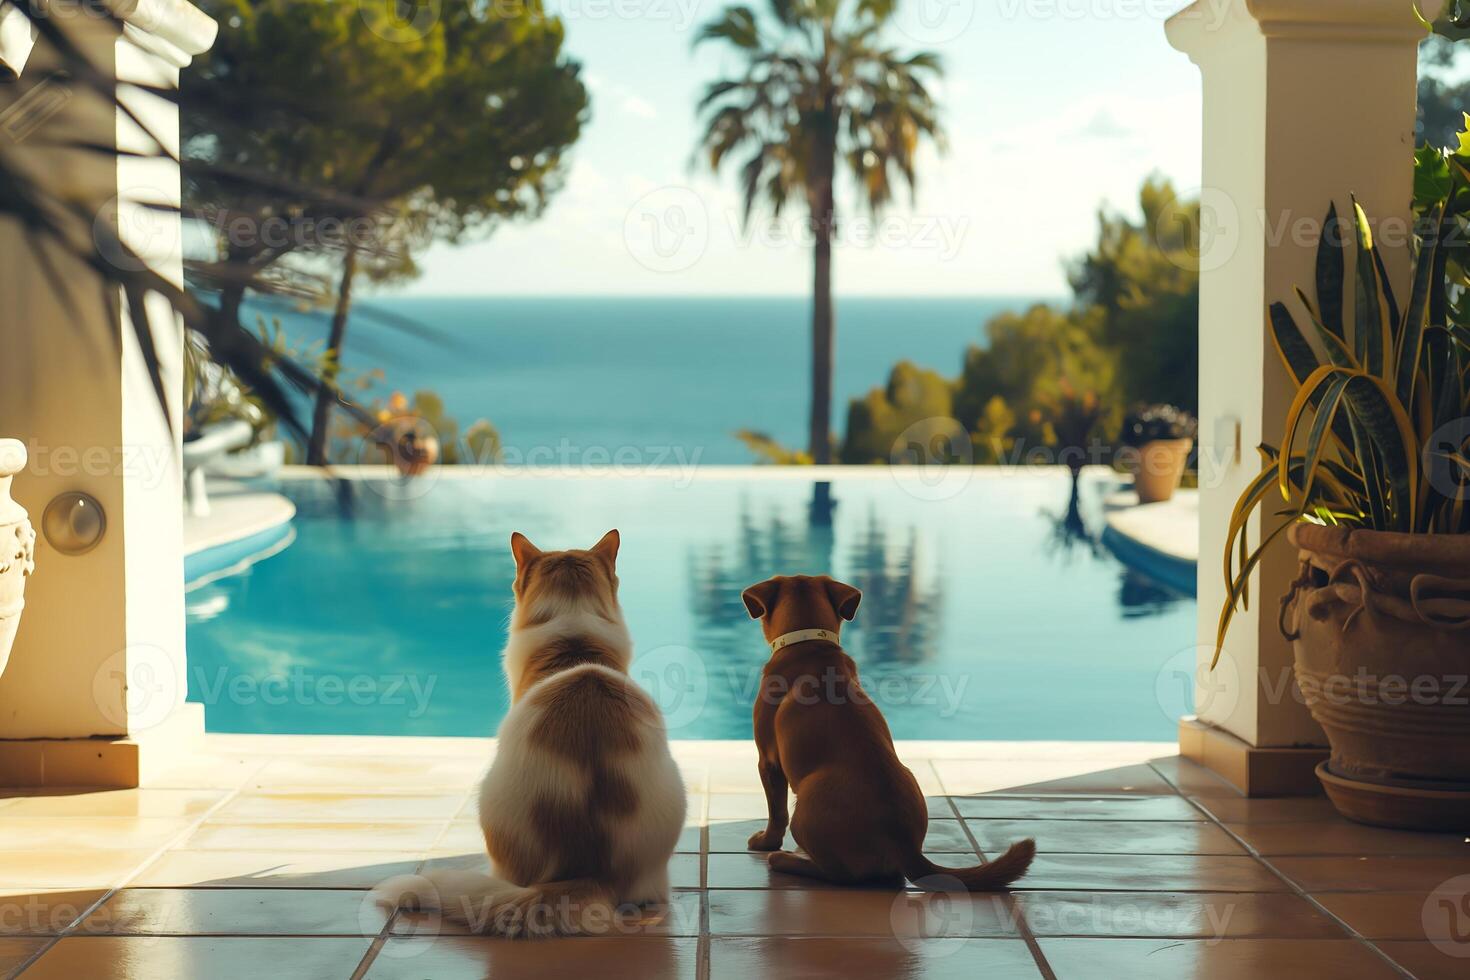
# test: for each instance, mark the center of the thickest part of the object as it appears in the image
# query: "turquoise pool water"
(992, 613)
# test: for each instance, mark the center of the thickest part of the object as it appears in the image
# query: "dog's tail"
(991, 876)
(495, 907)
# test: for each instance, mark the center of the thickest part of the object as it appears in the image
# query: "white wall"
(73, 387)
(1305, 103)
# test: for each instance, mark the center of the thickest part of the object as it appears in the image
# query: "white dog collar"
(801, 636)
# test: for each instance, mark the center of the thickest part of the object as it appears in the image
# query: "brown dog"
(860, 814)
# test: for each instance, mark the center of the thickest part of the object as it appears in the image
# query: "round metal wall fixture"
(74, 523)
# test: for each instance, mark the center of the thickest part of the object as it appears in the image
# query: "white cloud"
(1039, 135)
(584, 179)
(635, 106)
(1103, 126)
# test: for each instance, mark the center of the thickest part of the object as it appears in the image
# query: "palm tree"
(819, 86)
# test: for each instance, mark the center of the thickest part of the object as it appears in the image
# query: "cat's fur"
(583, 804)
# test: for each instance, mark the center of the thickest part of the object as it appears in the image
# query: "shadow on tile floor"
(1148, 867)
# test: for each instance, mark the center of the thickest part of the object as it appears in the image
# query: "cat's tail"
(495, 907)
(991, 876)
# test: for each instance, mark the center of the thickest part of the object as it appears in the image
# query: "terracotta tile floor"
(254, 860)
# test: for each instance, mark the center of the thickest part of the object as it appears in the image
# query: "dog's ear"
(522, 550)
(844, 598)
(758, 597)
(607, 548)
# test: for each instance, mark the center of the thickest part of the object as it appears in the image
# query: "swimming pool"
(990, 611)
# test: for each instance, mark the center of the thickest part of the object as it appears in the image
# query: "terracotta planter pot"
(414, 454)
(17, 548)
(1158, 467)
(1380, 625)
(408, 443)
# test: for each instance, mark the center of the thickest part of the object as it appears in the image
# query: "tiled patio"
(254, 861)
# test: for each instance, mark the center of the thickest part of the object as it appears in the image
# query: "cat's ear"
(758, 597)
(522, 550)
(844, 598)
(607, 548)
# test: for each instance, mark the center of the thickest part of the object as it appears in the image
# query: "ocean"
(672, 377)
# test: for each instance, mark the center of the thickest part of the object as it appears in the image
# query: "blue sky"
(1052, 108)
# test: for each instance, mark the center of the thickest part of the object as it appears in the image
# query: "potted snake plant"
(1372, 472)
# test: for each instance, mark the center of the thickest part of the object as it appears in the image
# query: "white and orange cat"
(583, 804)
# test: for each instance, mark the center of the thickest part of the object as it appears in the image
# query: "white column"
(100, 650)
(1305, 103)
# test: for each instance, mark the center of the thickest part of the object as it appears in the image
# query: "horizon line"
(1031, 297)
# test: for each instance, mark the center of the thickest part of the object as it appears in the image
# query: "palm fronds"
(819, 86)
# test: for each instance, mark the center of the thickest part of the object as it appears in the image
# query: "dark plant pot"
(1380, 626)
(1158, 467)
(414, 457)
(410, 444)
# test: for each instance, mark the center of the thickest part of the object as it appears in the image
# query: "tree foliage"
(1059, 377)
(1143, 277)
(1443, 93)
(876, 422)
(380, 136)
(455, 127)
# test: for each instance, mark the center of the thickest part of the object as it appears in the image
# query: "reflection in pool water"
(1071, 536)
(1141, 595)
(901, 605)
(992, 613)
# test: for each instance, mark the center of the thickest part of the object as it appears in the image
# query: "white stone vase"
(17, 547)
